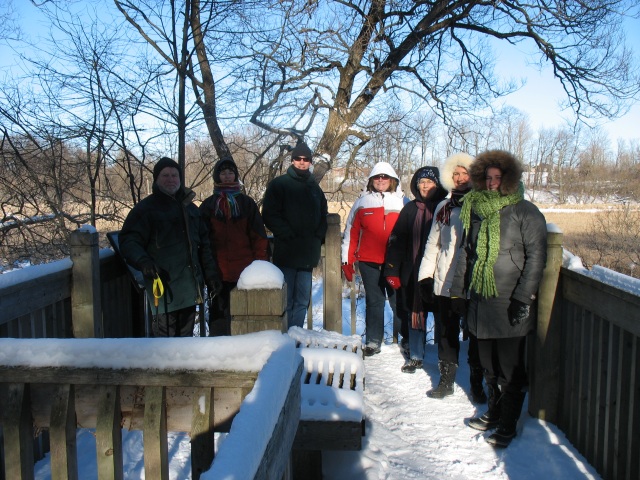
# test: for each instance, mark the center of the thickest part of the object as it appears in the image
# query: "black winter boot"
(447, 377)
(491, 417)
(511, 405)
(477, 391)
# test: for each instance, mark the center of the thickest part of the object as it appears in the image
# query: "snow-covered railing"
(585, 361)
(158, 385)
(87, 295)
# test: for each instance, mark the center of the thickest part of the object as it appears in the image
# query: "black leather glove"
(518, 312)
(459, 306)
(214, 286)
(426, 290)
(149, 269)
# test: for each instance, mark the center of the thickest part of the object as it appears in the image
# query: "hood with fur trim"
(456, 160)
(508, 164)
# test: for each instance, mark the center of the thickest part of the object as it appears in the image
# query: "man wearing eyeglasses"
(295, 211)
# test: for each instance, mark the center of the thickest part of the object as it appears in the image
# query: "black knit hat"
(301, 150)
(221, 165)
(432, 173)
(163, 163)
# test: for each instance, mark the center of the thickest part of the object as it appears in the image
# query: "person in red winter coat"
(369, 225)
(237, 236)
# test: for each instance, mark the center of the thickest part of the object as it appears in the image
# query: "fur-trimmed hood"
(508, 164)
(463, 160)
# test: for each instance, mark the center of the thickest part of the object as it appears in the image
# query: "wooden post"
(332, 278)
(64, 456)
(258, 310)
(86, 305)
(17, 430)
(546, 345)
(156, 453)
(109, 434)
(202, 433)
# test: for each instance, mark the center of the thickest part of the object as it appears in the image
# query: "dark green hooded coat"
(521, 258)
(295, 210)
(155, 230)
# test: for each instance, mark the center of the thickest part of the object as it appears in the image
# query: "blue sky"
(539, 98)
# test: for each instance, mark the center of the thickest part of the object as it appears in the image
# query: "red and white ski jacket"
(369, 225)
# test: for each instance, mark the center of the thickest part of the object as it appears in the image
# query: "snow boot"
(491, 418)
(447, 377)
(510, 407)
(404, 348)
(411, 366)
(477, 391)
(369, 351)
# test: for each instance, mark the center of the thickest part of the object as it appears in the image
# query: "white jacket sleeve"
(429, 259)
(346, 238)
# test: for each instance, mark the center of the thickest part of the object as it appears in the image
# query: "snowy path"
(410, 436)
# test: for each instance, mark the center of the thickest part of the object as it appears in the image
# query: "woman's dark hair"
(393, 185)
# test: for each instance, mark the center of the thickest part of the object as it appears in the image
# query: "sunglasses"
(302, 159)
(381, 177)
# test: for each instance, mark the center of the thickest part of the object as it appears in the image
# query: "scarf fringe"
(226, 204)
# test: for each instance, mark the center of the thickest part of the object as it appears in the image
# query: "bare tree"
(334, 60)
(9, 29)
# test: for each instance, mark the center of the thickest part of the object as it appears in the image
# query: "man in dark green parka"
(295, 210)
(164, 237)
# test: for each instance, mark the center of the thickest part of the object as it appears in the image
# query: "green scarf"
(487, 205)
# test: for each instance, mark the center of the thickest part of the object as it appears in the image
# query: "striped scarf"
(226, 202)
(487, 205)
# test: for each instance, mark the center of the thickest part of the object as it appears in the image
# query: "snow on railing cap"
(261, 275)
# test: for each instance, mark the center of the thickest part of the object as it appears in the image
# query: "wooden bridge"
(584, 357)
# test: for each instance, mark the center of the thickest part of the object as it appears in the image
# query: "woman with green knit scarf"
(496, 283)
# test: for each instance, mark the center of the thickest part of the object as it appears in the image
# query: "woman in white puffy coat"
(368, 227)
(436, 273)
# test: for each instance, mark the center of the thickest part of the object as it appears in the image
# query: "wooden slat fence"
(584, 366)
(200, 402)
(599, 401)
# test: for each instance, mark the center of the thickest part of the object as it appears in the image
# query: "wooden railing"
(157, 401)
(92, 287)
(585, 370)
(583, 357)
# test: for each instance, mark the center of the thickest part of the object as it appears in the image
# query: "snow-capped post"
(332, 275)
(259, 301)
(86, 305)
(547, 343)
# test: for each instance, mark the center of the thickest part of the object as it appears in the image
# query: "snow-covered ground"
(408, 435)
(411, 436)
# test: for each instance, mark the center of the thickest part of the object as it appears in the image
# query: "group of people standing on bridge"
(468, 248)
(182, 248)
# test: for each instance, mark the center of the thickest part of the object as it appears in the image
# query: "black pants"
(178, 323)
(220, 311)
(449, 343)
(504, 362)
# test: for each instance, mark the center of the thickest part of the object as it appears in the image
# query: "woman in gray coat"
(499, 270)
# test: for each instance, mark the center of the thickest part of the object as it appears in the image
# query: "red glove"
(394, 282)
(348, 270)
